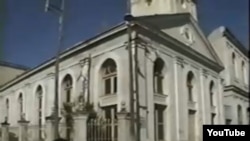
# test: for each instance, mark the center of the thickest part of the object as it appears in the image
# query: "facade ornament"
(204, 73)
(123, 106)
(51, 75)
(84, 74)
(78, 107)
(222, 82)
(179, 61)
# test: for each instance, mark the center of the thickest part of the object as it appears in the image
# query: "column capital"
(23, 122)
(204, 72)
(51, 75)
(179, 61)
(51, 118)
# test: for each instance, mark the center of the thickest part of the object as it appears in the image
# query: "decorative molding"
(51, 75)
(160, 99)
(179, 61)
(236, 90)
(187, 34)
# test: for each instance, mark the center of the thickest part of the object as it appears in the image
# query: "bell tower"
(154, 7)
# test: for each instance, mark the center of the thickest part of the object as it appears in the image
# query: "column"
(23, 130)
(80, 127)
(180, 97)
(204, 98)
(149, 102)
(124, 133)
(5, 131)
(220, 102)
(49, 96)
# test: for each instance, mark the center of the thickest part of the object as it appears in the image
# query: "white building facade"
(182, 79)
(236, 75)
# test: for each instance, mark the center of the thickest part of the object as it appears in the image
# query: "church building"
(179, 79)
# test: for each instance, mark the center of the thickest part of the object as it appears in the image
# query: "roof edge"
(13, 65)
(64, 54)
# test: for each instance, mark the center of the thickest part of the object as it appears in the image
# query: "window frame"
(160, 134)
(109, 72)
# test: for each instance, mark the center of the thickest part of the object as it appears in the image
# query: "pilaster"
(80, 127)
(49, 127)
(124, 132)
(23, 130)
(5, 131)
(49, 97)
(180, 101)
(204, 97)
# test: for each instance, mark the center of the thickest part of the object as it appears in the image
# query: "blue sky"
(30, 34)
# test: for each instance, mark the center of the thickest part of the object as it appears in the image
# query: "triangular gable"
(175, 25)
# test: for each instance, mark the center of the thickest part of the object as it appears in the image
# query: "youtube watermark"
(220, 132)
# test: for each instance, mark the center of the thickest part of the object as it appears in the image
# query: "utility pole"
(131, 77)
(138, 120)
(133, 70)
(60, 11)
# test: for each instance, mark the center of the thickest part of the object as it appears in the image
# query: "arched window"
(158, 76)
(67, 88)
(234, 64)
(190, 86)
(39, 94)
(211, 93)
(20, 101)
(239, 110)
(243, 72)
(67, 85)
(109, 76)
(7, 106)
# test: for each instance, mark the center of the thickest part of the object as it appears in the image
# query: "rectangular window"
(211, 99)
(190, 94)
(107, 86)
(115, 84)
(158, 83)
(159, 122)
(213, 118)
(191, 125)
(110, 113)
(228, 121)
(68, 94)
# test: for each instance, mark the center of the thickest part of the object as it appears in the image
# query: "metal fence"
(13, 133)
(102, 130)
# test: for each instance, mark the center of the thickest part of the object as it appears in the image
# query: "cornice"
(236, 90)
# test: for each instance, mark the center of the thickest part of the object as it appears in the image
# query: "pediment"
(184, 29)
